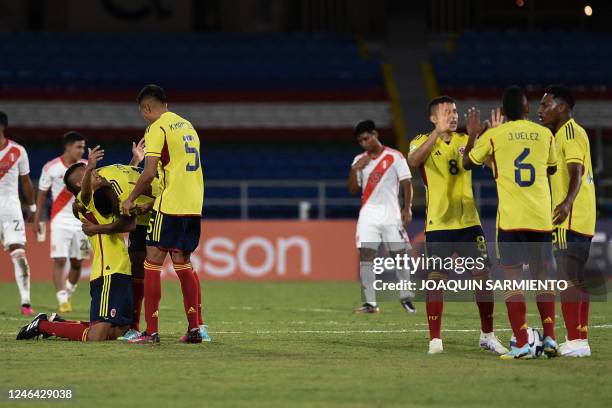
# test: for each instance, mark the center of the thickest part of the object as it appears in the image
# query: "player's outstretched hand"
(472, 122)
(361, 163)
(496, 117)
(94, 156)
(138, 151)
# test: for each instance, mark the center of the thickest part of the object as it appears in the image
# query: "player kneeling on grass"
(110, 281)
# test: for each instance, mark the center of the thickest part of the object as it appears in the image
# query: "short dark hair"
(512, 102)
(439, 100)
(153, 91)
(365, 126)
(71, 137)
(102, 200)
(3, 119)
(563, 93)
(69, 185)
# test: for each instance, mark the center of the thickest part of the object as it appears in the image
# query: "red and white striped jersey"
(13, 163)
(52, 177)
(379, 182)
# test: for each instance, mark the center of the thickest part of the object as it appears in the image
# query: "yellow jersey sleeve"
(416, 142)
(154, 140)
(483, 148)
(574, 146)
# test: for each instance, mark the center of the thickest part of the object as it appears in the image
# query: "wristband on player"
(32, 208)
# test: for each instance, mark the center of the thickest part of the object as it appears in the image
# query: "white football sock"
(22, 274)
(404, 275)
(70, 288)
(366, 273)
(62, 296)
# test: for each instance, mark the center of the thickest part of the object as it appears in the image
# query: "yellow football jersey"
(521, 151)
(448, 186)
(175, 141)
(110, 253)
(573, 147)
(122, 179)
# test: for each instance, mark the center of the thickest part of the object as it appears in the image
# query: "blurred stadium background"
(274, 88)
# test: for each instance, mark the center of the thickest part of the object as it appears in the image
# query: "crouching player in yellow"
(111, 310)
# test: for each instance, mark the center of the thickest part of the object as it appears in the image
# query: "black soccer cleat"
(367, 308)
(407, 305)
(31, 331)
(194, 336)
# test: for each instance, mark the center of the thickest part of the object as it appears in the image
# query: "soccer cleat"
(27, 310)
(522, 353)
(65, 307)
(30, 330)
(145, 338)
(575, 348)
(435, 346)
(192, 336)
(489, 341)
(367, 308)
(550, 347)
(129, 335)
(407, 305)
(204, 333)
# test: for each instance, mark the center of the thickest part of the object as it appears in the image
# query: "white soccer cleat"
(435, 346)
(489, 341)
(575, 348)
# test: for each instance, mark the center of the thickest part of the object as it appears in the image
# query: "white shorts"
(68, 242)
(371, 235)
(12, 229)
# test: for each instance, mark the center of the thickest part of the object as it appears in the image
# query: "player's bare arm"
(96, 154)
(143, 184)
(28, 192)
(407, 209)
(353, 183)
(442, 118)
(121, 225)
(562, 210)
(41, 198)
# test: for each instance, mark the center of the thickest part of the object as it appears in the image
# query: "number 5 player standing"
(173, 150)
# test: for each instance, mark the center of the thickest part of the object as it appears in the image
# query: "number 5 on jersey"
(191, 150)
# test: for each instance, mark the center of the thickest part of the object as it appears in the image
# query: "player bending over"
(15, 168)
(67, 239)
(173, 151)
(522, 155)
(377, 174)
(452, 225)
(573, 194)
(110, 280)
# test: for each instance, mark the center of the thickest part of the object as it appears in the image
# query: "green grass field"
(297, 344)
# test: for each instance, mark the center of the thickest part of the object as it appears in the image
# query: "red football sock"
(570, 306)
(546, 307)
(434, 307)
(585, 306)
(484, 300)
(189, 287)
(152, 294)
(66, 330)
(197, 279)
(137, 295)
(517, 313)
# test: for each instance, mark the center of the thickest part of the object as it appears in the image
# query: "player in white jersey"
(67, 239)
(15, 167)
(377, 175)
